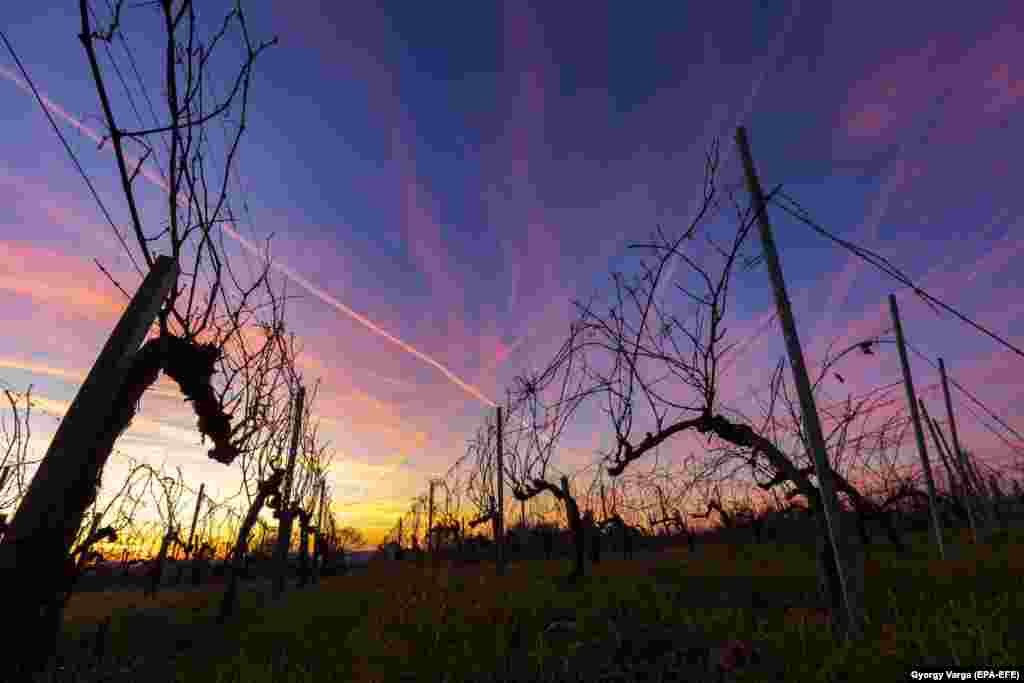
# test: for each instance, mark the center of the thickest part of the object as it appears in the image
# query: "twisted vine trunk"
(744, 436)
(305, 570)
(595, 549)
(229, 602)
(157, 571)
(44, 580)
(572, 511)
(80, 557)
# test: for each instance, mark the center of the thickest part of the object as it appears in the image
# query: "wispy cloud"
(327, 298)
(48, 281)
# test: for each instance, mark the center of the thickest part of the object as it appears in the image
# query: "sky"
(442, 187)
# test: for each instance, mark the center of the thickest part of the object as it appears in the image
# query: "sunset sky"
(456, 178)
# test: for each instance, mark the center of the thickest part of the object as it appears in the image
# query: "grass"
(425, 622)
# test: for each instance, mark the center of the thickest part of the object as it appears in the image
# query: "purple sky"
(457, 179)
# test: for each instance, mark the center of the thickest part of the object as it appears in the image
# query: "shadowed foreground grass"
(426, 623)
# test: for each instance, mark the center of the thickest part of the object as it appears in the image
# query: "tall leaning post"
(43, 530)
(190, 555)
(284, 527)
(499, 542)
(318, 546)
(195, 518)
(853, 628)
(958, 488)
(430, 523)
(922, 449)
(959, 455)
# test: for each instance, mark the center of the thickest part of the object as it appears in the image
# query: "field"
(400, 621)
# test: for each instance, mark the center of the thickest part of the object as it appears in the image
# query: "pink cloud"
(64, 211)
(57, 279)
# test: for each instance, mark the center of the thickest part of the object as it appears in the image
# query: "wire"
(67, 147)
(971, 396)
(142, 86)
(878, 261)
(882, 264)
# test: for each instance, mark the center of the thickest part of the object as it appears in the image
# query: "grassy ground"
(468, 623)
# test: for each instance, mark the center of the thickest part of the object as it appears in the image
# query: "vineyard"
(826, 539)
(726, 597)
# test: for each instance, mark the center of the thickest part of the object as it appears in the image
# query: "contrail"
(369, 324)
(301, 281)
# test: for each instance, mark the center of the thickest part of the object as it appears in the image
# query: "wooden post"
(235, 563)
(37, 541)
(908, 382)
(957, 487)
(853, 627)
(499, 542)
(961, 456)
(963, 477)
(284, 527)
(157, 571)
(430, 521)
(195, 518)
(980, 487)
(318, 544)
(930, 422)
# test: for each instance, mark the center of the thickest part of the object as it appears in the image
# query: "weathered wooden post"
(318, 542)
(499, 540)
(982, 489)
(959, 487)
(960, 455)
(908, 383)
(305, 526)
(192, 532)
(234, 561)
(195, 518)
(604, 504)
(284, 527)
(157, 570)
(39, 538)
(850, 623)
(430, 521)
(853, 627)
